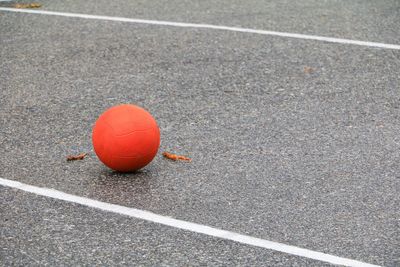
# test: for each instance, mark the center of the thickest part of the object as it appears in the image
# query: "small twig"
(30, 5)
(175, 157)
(78, 157)
(308, 70)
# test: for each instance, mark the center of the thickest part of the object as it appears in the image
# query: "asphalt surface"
(76, 236)
(367, 20)
(306, 159)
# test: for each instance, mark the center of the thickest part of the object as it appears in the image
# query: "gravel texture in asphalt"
(291, 140)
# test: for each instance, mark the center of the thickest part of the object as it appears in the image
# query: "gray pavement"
(367, 20)
(40, 231)
(307, 159)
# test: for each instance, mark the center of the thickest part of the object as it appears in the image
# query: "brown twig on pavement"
(175, 157)
(78, 157)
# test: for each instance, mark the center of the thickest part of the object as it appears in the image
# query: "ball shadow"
(123, 187)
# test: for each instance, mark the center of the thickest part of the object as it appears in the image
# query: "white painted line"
(188, 226)
(208, 26)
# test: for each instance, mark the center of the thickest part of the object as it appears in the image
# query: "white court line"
(180, 224)
(207, 26)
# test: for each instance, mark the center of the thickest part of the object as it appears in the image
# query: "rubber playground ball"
(126, 138)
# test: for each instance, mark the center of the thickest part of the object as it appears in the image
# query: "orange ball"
(126, 138)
